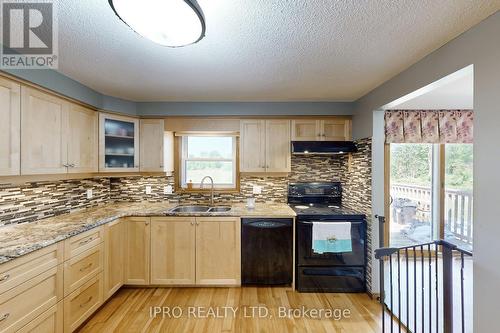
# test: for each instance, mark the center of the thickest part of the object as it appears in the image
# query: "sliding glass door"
(430, 193)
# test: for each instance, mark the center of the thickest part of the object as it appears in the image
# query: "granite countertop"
(20, 239)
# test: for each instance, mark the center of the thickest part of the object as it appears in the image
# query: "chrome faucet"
(211, 190)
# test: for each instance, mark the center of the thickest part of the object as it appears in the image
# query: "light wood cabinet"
(20, 305)
(118, 143)
(43, 133)
(265, 146)
(80, 243)
(336, 129)
(82, 303)
(331, 129)
(253, 146)
(56, 136)
(137, 250)
(278, 156)
(10, 128)
(82, 139)
(82, 267)
(51, 321)
(151, 145)
(218, 251)
(173, 250)
(306, 130)
(114, 257)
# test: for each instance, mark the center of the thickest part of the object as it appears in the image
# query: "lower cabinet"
(173, 250)
(25, 302)
(114, 257)
(195, 251)
(82, 303)
(51, 321)
(218, 251)
(137, 250)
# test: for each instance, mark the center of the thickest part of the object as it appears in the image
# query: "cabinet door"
(218, 251)
(82, 139)
(278, 157)
(253, 146)
(151, 152)
(137, 250)
(43, 133)
(10, 131)
(306, 130)
(51, 321)
(114, 258)
(173, 250)
(118, 143)
(336, 130)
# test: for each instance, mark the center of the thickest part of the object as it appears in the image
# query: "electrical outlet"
(257, 189)
(90, 194)
(148, 189)
(168, 189)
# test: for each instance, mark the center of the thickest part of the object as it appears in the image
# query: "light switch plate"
(168, 189)
(90, 194)
(148, 189)
(257, 189)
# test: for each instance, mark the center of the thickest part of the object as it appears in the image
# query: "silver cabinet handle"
(192, 222)
(86, 241)
(147, 223)
(72, 165)
(5, 277)
(4, 316)
(65, 165)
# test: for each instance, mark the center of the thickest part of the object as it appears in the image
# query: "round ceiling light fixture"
(172, 23)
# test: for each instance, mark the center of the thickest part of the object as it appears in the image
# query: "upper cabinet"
(82, 139)
(43, 133)
(331, 129)
(10, 131)
(151, 143)
(265, 146)
(118, 143)
(56, 136)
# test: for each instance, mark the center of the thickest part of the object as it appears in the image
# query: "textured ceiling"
(262, 50)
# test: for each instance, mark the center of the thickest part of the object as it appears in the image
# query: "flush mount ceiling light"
(171, 23)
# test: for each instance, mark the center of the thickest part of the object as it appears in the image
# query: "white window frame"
(184, 159)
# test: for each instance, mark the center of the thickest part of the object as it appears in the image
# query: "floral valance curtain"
(429, 126)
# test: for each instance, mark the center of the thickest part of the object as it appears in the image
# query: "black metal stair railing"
(417, 286)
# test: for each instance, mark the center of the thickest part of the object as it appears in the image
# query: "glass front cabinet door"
(118, 143)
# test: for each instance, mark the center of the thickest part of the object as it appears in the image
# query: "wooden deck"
(130, 310)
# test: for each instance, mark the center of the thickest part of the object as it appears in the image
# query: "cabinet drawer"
(82, 242)
(24, 303)
(18, 271)
(82, 303)
(82, 267)
(51, 321)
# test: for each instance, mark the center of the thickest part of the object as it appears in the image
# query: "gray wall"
(479, 46)
(66, 86)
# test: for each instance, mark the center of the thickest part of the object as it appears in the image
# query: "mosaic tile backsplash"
(34, 201)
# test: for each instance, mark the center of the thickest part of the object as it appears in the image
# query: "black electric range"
(330, 239)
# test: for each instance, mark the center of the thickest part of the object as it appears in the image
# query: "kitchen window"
(213, 155)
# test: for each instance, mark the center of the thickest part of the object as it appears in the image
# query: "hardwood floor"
(130, 310)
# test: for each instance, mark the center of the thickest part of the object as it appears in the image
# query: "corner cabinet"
(265, 146)
(118, 143)
(332, 129)
(10, 128)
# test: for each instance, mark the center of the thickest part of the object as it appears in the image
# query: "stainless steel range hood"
(323, 147)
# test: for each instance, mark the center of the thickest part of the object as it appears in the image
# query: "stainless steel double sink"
(200, 209)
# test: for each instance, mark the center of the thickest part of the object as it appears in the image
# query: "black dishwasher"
(267, 251)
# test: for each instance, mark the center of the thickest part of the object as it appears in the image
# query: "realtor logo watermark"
(29, 34)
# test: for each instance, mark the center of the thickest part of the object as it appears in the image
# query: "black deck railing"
(418, 293)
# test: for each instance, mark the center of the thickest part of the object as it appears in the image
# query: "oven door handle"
(352, 222)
